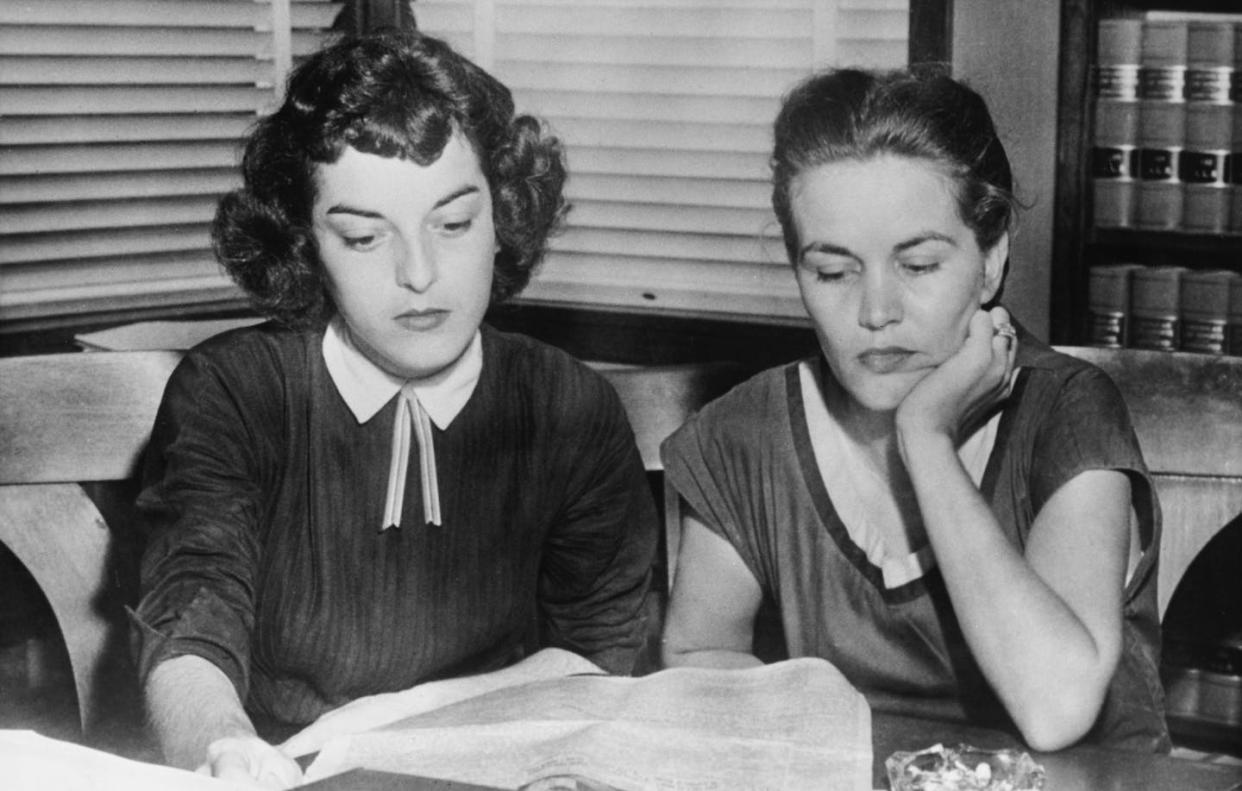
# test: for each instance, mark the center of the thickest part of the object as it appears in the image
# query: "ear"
(994, 268)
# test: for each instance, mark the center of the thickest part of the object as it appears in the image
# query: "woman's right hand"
(199, 722)
(951, 398)
(250, 762)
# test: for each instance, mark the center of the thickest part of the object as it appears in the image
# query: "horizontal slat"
(689, 22)
(45, 130)
(874, 5)
(87, 215)
(102, 244)
(115, 100)
(635, 107)
(674, 246)
(696, 287)
(672, 137)
(656, 50)
(871, 54)
(873, 25)
(313, 15)
(584, 160)
(97, 271)
(645, 272)
(86, 41)
(42, 188)
(129, 295)
(30, 160)
(132, 71)
(651, 80)
(681, 192)
(675, 218)
(443, 19)
(653, 4)
(136, 13)
(165, 14)
(83, 41)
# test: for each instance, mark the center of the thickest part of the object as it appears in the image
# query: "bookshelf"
(1192, 646)
(1088, 210)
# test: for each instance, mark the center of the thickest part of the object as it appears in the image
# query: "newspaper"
(30, 762)
(792, 725)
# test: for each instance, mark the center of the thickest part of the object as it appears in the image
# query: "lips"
(422, 320)
(886, 360)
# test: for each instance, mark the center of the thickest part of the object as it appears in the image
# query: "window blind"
(666, 107)
(119, 130)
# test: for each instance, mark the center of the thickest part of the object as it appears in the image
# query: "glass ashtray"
(963, 768)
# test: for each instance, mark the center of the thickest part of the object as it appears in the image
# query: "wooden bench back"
(66, 419)
(85, 417)
(78, 417)
(658, 399)
(70, 418)
(1187, 411)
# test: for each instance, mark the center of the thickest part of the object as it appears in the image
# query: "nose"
(880, 303)
(415, 265)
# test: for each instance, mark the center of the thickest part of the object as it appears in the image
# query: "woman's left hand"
(968, 384)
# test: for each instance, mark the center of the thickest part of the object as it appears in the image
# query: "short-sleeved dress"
(264, 499)
(746, 464)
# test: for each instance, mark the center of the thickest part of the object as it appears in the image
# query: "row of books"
(1167, 308)
(1167, 139)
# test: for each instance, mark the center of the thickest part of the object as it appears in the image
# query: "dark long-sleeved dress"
(264, 496)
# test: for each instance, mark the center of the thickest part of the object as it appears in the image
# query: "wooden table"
(1075, 769)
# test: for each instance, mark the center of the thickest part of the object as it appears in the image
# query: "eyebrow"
(833, 249)
(826, 248)
(460, 192)
(927, 236)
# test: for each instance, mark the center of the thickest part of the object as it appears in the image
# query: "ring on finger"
(1007, 330)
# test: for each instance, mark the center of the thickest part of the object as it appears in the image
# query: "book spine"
(1235, 160)
(1114, 156)
(1233, 336)
(1203, 163)
(1204, 299)
(1162, 124)
(1108, 305)
(1155, 308)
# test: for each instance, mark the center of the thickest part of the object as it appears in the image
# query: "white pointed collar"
(366, 387)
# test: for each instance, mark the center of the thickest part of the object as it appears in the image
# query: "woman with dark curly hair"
(374, 489)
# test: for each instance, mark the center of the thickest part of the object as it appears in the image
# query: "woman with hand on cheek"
(953, 514)
(375, 489)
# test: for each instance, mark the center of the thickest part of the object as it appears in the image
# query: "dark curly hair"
(922, 114)
(393, 94)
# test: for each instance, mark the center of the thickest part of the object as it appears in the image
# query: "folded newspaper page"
(792, 725)
(31, 762)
